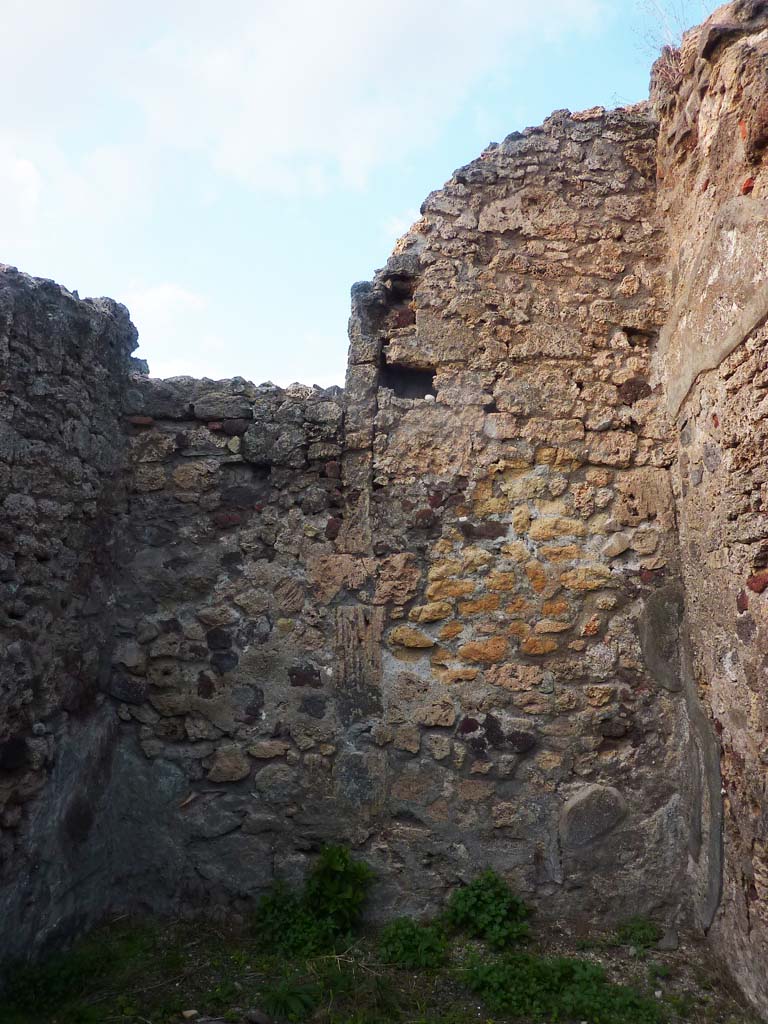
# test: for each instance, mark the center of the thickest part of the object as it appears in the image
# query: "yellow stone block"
(550, 527)
(440, 658)
(537, 576)
(490, 506)
(551, 507)
(599, 696)
(441, 570)
(442, 589)
(487, 603)
(588, 577)
(516, 551)
(474, 558)
(558, 458)
(432, 612)
(548, 760)
(517, 678)
(457, 675)
(519, 630)
(451, 630)
(520, 488)
(537, 645)
(561, 552)
(551, 626)
(521, 519)
(406, 636)
(557, 606)
(485, 651)
(483, 489)
(502, 581)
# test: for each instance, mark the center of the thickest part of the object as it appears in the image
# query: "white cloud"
(167, 318)
(301, 96)
(110, 105)
(395, 227)
(20, 186)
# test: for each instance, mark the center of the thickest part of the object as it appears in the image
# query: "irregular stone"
(484, 651)
(265, 750)
(230, 764)
(433, 612)
(591, 814)
(406, 636)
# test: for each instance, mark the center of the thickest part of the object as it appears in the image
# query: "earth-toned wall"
(498, 603)
(63, 371)
(443, 631)
(713, 191)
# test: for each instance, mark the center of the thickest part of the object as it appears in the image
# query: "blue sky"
(229, 170)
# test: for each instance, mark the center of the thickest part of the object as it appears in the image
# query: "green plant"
(289, 1000)
(638, 931)
(327, 911)
(658, 972)
(488, 909)
(681, 1005)
(408, 943)
(557, 989)
(60, 982)
(284, 924)
(337, 889)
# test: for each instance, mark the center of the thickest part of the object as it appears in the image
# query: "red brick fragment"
(234, 427)
(743, 128)
(742, 601)
(715, 420)
(227, 519)
(758, 582)
(647, 575)
(747, 187)
(424, 518)
(404, 317)
(140, 421)
(215, 425)
(332, 528)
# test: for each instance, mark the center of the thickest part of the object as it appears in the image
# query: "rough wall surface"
(714, 192)
(447, 635)
(532, 494)
(63, 371)
(499, 603)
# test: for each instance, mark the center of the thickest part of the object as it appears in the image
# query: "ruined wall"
(500, 603)
(712, 146)
(225, 641)
(443, 630)
(531, 487)
(63, 368)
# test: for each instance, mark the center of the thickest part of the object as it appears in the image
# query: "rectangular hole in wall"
(407, 382)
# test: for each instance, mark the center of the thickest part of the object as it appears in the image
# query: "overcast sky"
(228, 170)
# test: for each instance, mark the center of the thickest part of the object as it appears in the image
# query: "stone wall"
(534, 716)
(713, 356)
(63, 370)
(443, 630)
(225, 638)
(499, 603)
